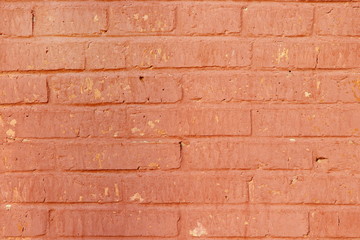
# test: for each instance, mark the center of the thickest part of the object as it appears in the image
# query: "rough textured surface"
(164, 119)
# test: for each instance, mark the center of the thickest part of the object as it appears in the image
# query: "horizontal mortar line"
(236, 36)
(169, 206)
(242, 35)
(202, 68)
(181, 71)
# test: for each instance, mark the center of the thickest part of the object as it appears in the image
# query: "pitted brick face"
(175, 120)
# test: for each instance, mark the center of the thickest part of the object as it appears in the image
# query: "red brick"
(69, 20)
(22, 89)
(242, 222)
(338, 155)
(338, 20)
(246, 154)
(304, 188)
(288, 55)
(125, 222)
(341, 54)
(15, 21)
(27, 157)
(23, 222)
(278, 19)
(209, 19)
(189, 121)
(335, 223)
(141, 18)
(22, 55)
(22, 188)
(106, 55)
(200, 52)
(114, 88)
(118, 155)
(297, 87)
(83, 188)
(60, 188)
(52, 123)
(186, 188)
(306, 122)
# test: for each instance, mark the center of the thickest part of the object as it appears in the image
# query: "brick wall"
(179, 119)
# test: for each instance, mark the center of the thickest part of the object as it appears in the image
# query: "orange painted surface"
(179, 119)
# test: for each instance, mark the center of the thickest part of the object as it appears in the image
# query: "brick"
(331, 20)
(22, 89)
(118, 155)
(141, 18)
(306, 122)
(69, 20)
(297, 87)
(245, 154)
(201, 52)
(186, 188)
(15, 21)
(288, 55)
(111, 88)
(92, 222)
(40, 55)
(59, 188)
(106, 55)
(304, 188)
(26, 157)
(338, 55)
(242, 222)
(189, 121)
(209, 19)
(22, 188)
(335, 223)
(268, 19)
(23, 222)
(83, 188)
(337, 155)
(45, 123)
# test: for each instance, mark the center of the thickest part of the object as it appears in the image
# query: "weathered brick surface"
(69, 19)
(278, 20)
(183, 119)
(94, 222)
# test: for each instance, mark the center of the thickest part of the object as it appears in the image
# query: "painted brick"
(69, 20)
(306, 122)
(335, 223)
(209, 19)
(297, 87)
(141, 18)
(304, 188)
(41, 55)
(288, 55)
(202, 52)
(42, 123)
(23, 89)
(106, 55)
(186, 188)
(331, 20)
(245, 154)
(189, 121)
(340, 55)
(242, 222)
(15, 21)
(118, 155)
(92, 222)
(119, 88)
(26, 157)
(278, 20)
(83, 188)
(23, 222)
